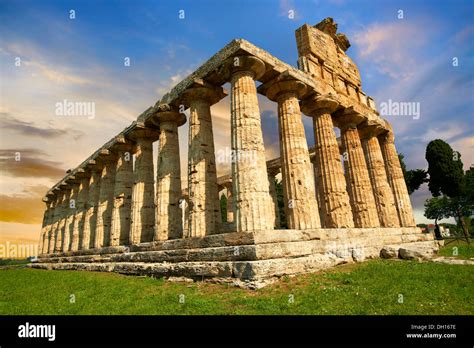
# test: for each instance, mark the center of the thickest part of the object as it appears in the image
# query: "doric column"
(71, 212)
(81, 209)
(54, 221)
(361, 197)
(384, 201)
(358, 182)
(203, 195)
(252, 201)
(61, 238)
(396, 179)
(90, 220)
(336, 207)
(273, 195)
(301, 207)
(143, 193)
(45, 227)
(122, 209)
(230, 202)
(106, 199)
(168, 175)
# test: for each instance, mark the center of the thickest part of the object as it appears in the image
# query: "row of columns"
(115, 204)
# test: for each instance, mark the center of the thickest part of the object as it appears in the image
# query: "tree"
(446, 176)
(437, 208)
(413, 178)
(223, 202)
(445, 169)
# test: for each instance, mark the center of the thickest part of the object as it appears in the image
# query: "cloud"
(29, 163)
(8, 122)
(391, 47)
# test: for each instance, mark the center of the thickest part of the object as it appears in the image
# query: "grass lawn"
(373, 287)
(457, 248)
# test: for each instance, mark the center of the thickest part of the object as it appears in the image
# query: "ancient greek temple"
(345, 199)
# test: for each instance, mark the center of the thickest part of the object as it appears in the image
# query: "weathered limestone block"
(143, 192)
(203, 196)
(106, 201)
(252, 201)
(168, 176)
(301, 207)
(336, 206)
(396, 179)
(419, 253)
(90, 220)
(358, 182)
(80, 214)
(389, 252)
(383, 195)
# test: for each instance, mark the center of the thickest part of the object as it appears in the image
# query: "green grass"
(11, 262)
(373, 287)
(458, 249)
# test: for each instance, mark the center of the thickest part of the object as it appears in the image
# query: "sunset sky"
(47, 57)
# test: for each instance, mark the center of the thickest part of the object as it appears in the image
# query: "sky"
(406, 51)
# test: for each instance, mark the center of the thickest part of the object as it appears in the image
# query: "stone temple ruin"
(345, 199)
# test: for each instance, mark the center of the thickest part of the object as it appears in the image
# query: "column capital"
(321, 104)
(371, 128)
(141, 132)
(348, 117)
(281, 86)
(387, 137)
(106, 156)
(167, 113)
(203, 91)
(245, 64)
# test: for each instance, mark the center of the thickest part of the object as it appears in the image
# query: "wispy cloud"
(29, 163)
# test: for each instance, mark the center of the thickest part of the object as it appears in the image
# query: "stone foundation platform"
(248, 259)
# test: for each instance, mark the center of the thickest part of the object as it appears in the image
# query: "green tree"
(281, 204)
(437, 208)
(445, 169)
(223, 202)
(446, 176)
(413, 177)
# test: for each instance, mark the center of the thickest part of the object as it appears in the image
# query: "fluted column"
(122, 209)
(168, 176)
(90, 220)
(71, 212)
(358, 182)
(301, 207)
(81, 209)
(203, 195)
(336, 209)
(396, 179)
(45, 227)
(106, 200)
(230, 202)
(62, 239)
(252, 201)
(143, 192)
(54, 223)
(386, 209)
